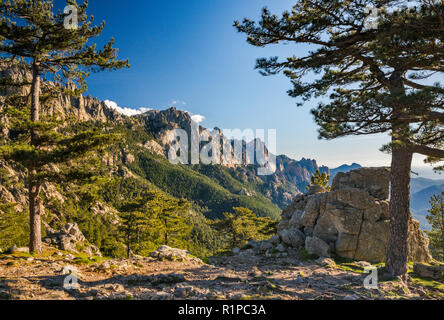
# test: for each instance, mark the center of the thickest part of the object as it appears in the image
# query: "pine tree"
(243, 225)
(436, 220)
(169, 219)
(154, 219)
(36, 40)
(320, 179)
(378, 78)
(133, 224)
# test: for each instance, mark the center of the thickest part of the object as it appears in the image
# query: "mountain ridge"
(143, 155)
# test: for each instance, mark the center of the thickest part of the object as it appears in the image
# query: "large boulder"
(70, 238)
(351, 221)
(174, 254)
(311, 212)
(372, 241)
(417, 241)
(292, 237)
(373, 180)
(429, 271)
(14, 249)
(317, 246)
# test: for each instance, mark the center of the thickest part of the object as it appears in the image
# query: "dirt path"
(24, 277)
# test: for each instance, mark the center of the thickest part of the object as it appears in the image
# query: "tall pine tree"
(170, 218)
(134, 223)
(49, 46)
(378, 77)
(242, 225)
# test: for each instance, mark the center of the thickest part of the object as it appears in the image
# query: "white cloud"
(178, 103)
(132, 112)
(124, 110)
(198, 118)
(195, 117)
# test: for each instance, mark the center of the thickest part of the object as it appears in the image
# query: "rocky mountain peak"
(160, 121)
(83, 108)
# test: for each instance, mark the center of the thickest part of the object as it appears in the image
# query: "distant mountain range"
(418, 184)
(422, 190)
(290, 178)
(142, 159)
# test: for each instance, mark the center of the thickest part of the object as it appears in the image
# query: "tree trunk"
(128, 247)
(138, 241)
(234, 240)
(441, 207)
(397, 251)
(166, 239)
(35, 245)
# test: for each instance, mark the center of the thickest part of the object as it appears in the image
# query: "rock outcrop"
(174, 254)
(14, 249)
(71, 239)
(373, 180)
(435, 272)
(352, 220)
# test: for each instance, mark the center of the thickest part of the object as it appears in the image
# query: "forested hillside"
(133, 167)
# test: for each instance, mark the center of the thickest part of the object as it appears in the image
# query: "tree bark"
(128, 248)
(441, 206)
(167, 238)
(35, 245)
(397, 251)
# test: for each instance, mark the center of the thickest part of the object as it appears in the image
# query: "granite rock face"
(373, 180)
(351, 221)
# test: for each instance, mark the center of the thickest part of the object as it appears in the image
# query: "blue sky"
(187, 54)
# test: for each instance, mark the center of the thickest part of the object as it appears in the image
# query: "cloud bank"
(133, 112)
(124, 110)
(198, 118)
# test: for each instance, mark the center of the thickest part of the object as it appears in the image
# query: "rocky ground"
(184, 277)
